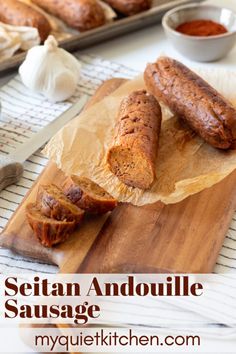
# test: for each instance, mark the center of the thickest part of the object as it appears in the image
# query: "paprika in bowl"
(201, 32)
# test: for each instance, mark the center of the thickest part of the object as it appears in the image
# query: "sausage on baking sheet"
(129, 7)
(79, 14)
(16, 13)
(132, 157)
(205, 110)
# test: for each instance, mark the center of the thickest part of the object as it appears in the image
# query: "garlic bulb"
(51, 71)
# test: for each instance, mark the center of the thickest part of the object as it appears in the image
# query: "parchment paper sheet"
(185, 164)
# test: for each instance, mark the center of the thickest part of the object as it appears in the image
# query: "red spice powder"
(202, 28)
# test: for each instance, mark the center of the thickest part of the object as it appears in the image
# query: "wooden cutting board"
(185, 237)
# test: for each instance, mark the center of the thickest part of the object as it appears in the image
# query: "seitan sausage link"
(82, 15)
(129, 7)
(191, 98)
(16, 13)
(132, 157)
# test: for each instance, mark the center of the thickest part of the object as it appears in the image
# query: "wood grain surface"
(18, 235)
(184, 237)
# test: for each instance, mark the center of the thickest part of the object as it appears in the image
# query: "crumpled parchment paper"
(13, 38)
(185, 163)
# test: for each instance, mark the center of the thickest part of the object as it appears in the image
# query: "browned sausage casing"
(129, 7)
(16, 13)
(205, 110)
(132, 156)
(79, 14)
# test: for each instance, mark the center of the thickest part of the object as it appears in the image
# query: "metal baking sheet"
(116, 28)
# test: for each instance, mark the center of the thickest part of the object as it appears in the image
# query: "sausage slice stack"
(56, 214)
